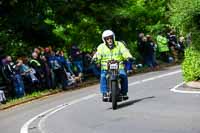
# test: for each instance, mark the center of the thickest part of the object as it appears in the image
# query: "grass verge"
(47, 92)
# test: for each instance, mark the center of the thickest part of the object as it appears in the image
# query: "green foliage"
(63, 22)
(191, 65)
(132, 46)
(148, 16)
(12, 45)
(184, 15)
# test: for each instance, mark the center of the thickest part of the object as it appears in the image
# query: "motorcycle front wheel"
(114, 94)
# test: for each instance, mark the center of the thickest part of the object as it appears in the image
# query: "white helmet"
(108, 33)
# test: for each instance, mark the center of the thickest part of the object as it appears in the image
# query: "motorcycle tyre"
(114, 94)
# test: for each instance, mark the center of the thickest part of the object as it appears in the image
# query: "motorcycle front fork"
(109, 92)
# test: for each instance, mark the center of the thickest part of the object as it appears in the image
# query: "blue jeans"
(79, 65)
(18, 85)
(124, 81)
(150, 60)
(69, 66)
(93, 68)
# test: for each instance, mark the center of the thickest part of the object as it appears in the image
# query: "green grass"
(28, 97)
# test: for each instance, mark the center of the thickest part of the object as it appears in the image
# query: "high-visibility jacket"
(104, 54)
(162, 44)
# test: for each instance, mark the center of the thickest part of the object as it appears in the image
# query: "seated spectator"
(30, 80)
(13, 75)
(89, 66)
(77, 59)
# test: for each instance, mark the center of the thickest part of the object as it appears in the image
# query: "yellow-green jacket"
(162, 43)
(104, 54)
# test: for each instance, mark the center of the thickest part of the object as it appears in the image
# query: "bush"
(191, 65)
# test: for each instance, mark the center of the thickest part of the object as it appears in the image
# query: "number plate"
(114, 66)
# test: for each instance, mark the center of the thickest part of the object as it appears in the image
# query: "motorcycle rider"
(111, 49)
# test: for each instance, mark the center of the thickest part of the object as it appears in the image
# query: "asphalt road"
(151, 108)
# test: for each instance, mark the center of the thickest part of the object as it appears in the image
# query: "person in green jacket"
(111, 49)
(163, 48)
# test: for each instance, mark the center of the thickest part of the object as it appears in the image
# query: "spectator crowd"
(168, 49)
(45, 69)
(48, 68)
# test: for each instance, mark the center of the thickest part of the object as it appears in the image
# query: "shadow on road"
(128, 103)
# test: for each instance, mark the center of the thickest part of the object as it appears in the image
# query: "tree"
(62, 22)
(185, 16)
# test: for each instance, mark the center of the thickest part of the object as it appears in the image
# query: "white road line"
(40, 125)
(155, 77)
(46, 114)
(174, 89)
(51, 111)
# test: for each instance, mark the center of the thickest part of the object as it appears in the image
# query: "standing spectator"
(49, 75)
(172, 43)
(163, 48)
(66, 67)
(47, 52)
(37, 50)
(150, 49)
(141, 45)
(5, 80)
(181, 43)
(57, 67)
(47, 72)
(3, 87)
(67, 62)
(1, 55)
(36, 63)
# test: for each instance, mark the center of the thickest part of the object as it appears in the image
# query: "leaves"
(184, 15)
(62, 22)
(191, 65)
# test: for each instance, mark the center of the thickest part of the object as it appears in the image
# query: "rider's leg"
(124, 81)
(103, 84)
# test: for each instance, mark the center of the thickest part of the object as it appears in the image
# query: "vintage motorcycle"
(113, 84)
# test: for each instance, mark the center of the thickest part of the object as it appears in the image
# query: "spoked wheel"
(114, 94)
